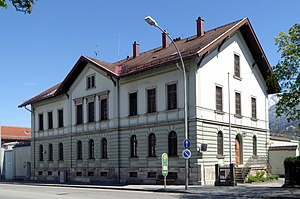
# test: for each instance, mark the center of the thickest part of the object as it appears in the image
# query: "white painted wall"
(214, 71)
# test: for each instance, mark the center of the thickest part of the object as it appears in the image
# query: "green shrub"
(260, 177)
(292, 161)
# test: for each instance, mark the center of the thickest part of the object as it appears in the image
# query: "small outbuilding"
(281, 148)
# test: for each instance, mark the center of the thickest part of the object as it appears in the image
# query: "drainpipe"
(119, 144)
(32, 135)
(71, 127)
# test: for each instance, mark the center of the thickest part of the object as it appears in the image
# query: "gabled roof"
(189, 47)
(15, 133)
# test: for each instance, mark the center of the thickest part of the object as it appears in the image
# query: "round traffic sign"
(186, 153)
(186, 143)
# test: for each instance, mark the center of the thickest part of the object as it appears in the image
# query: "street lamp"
(152, 22)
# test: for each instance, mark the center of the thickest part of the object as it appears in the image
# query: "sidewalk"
(271, 189)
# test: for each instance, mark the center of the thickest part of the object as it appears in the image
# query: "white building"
(110, 122)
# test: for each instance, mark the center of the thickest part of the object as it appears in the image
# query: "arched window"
(254, 145)
(104, 148)
(79, 150)
(133, 146)
(91, 149)
(60, 151)
(50, 152)
(220, 148)
(172, 143)
(152, 144)
(41, 153)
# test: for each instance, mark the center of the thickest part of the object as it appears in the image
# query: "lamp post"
(152, 22)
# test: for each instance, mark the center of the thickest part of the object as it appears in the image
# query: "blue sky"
(38, 50)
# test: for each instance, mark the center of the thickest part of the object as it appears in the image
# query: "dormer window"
(90, 81)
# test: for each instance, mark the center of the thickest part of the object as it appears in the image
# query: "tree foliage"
(20, 5)
(287, 72)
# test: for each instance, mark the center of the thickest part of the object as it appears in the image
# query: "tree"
(20, 5)
(287, 72)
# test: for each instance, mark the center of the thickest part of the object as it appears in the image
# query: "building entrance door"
(237, 150)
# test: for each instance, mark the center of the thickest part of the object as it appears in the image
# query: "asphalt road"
(53, 191)
(12, 191)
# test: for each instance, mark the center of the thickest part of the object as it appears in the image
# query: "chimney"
(136, 49)
(165, 40)
(200, 27)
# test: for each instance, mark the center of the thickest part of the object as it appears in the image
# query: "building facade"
(111, 122)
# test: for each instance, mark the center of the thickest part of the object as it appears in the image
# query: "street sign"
(186, 143)
(164, 164)
(186, 153)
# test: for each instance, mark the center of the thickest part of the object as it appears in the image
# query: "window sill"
(238, 116)
(220, 156)
(220, 112)
(173, 110)
(254, 119)
(237, 78)
(152, 113)
(134, 158)
(133, 116)
(90, 88)
(254, 156)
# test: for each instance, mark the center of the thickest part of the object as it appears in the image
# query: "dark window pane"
(50, 120)
(41, 153)
(104, 148)
(172, 96)
(151, 95)
(253, 106)
(60, 118)
(60, 151)
(132, 104)
(91, 149)
(133, 146)
(219, 99)
(237, 65)
(220, 143)
(79, 150)
(237, 103)
(103, 104)
(152, 145)
(254, 146)
(79, 114)
(172, 143)
(91, 112)
(50, 152)
(41, 122)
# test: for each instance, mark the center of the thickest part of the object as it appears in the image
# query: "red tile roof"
(15, 133)
(189, 47)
